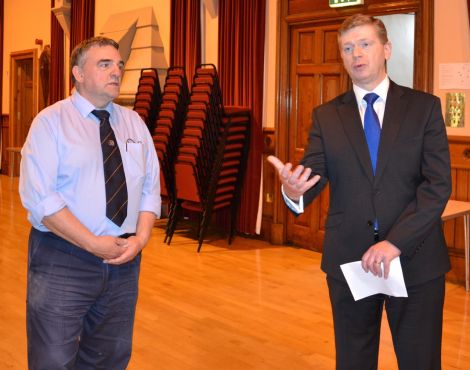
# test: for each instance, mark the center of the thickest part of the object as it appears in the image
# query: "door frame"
(422, 74)
(15, 58)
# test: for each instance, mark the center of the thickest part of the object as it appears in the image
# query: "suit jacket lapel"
(395, 109)
(351, 120)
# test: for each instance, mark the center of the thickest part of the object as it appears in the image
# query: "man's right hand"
(295, 183)
(107, 247)
(64, 224)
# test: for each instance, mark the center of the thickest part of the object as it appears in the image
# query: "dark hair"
(78, 54)
(357, 20)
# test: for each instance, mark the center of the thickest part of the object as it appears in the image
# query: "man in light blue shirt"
(83, 267)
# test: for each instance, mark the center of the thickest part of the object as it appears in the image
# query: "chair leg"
(173, 223)
(206, 215)
(171, 211)
(233, 222)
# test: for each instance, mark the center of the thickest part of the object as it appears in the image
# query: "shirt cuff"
(297, 207)
(151, 203)
(48, 206)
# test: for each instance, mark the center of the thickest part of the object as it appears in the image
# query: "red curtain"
(185, 35)
(82, 25)
(56, 77)
(241, 68)
(82, 21)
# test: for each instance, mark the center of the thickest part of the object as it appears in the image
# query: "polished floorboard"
(248, 306)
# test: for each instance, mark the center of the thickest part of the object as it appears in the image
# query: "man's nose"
(357, 52)
(116, 70)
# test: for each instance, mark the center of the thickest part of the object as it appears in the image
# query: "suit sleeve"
(432, 194)
(314, 158)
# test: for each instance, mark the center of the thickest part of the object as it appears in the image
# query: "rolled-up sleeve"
(38, 172)
(151, 200)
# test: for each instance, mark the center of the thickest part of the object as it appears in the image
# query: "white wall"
(401, 34)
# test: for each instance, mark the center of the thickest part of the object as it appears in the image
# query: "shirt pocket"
(135, 160)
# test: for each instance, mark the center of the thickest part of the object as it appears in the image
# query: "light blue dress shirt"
(62, 166)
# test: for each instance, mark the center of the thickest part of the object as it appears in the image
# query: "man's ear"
(77, 73)
(388, 50)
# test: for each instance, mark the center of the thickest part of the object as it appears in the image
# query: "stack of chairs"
(168, 129)
(148, 96)
(212, 155)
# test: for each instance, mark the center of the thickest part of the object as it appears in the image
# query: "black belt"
(126, 236)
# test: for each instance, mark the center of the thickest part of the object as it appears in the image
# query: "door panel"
(23, 96)
(316, 75)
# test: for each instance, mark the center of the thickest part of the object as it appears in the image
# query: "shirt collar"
(84, 106)
(381, 90)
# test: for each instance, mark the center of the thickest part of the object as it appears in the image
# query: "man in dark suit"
(387, 193)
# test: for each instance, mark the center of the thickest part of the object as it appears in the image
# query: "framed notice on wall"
(454, 76)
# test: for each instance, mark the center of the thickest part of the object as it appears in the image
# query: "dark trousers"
(415, 324)
(80, 311)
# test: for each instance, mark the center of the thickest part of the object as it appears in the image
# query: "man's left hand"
(133, 247)
(381, 253)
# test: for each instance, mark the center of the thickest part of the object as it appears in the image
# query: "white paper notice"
(364, 284)
(454, 76)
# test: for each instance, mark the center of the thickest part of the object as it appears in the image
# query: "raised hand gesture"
(295, 183)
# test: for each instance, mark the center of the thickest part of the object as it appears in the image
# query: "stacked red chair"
(212, 155)
(168, 129)
(148, 96)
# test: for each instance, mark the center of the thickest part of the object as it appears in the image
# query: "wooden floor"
(250, 306)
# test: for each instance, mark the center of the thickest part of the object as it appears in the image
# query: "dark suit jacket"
(408, 193)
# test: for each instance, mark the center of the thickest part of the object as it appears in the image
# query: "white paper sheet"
(454, 76)
(364, 284)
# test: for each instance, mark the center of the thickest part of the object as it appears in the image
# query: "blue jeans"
(80, 311)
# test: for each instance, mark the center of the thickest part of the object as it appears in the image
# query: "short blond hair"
(357, 20)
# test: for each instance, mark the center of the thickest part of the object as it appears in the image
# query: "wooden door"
(316, 75)
(310, 73)
(23, 96)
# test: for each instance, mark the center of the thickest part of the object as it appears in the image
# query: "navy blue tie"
(372, 128)
(114, 176)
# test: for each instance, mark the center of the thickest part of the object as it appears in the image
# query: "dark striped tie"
(114, 177)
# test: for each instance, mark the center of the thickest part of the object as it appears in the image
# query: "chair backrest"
(169, 123)
(148, 91)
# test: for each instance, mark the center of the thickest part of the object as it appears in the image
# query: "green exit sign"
(341, 3)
